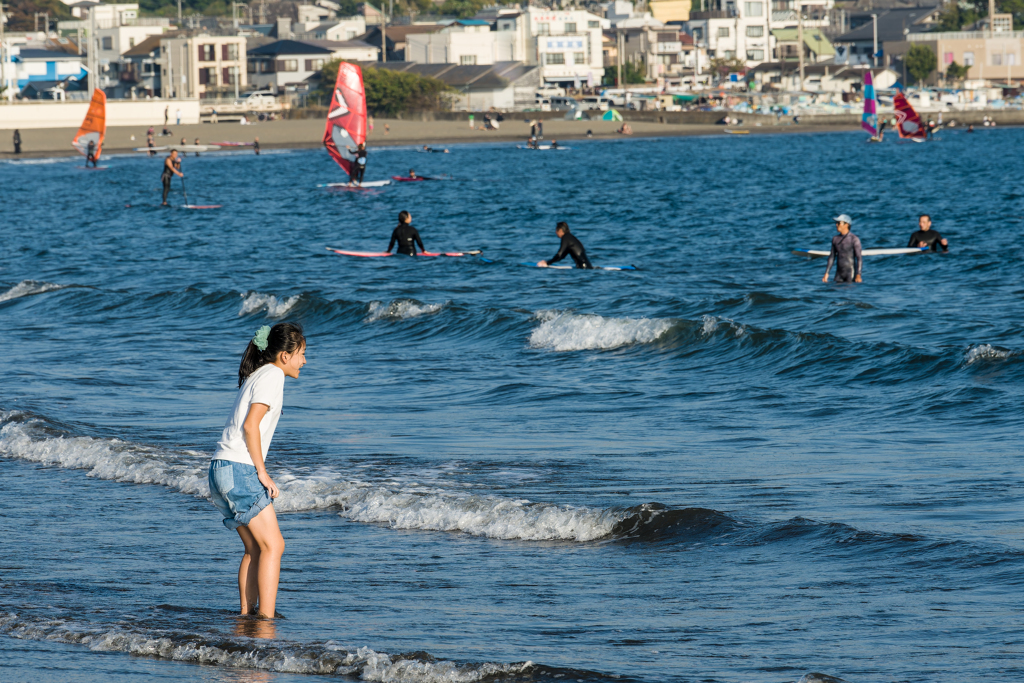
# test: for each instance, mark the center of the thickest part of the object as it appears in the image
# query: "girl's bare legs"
(268, 538)
(248, 584)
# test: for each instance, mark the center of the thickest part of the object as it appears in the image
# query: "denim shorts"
(237, 492)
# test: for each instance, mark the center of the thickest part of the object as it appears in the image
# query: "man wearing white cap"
(845, 252)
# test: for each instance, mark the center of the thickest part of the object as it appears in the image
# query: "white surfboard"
(814, 253)
(180, 148)
(371, 183)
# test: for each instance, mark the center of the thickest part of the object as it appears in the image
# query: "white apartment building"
(344, 28)
(742, 29)
(115, 41)
(464, 42)
(203, 66)
(566, 44)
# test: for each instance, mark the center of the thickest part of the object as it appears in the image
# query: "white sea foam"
(28, 288)
(399, 309)
(407, 507)
(564, 331)
(985, 352)
(318, 658)
(711, 324)
(275, 308)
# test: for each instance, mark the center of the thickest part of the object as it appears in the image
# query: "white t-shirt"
(265, 386)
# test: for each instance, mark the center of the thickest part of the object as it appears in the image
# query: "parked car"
(542, 103)
(596, 103)
(563, 103)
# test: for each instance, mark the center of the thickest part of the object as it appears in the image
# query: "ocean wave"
(399, 309)
(983, 352)
(28, 288)
(323, 658)
(565, 331)
(253, 302)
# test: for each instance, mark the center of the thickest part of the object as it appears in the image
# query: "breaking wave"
(564, 331)
(253, 302)
(28, 288)
(983, 352)
(400, 309)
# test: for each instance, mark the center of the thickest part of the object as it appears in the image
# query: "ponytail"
(281, 338)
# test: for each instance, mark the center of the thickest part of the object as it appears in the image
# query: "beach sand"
(300, 133)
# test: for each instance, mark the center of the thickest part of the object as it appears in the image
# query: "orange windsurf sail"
(94, 127)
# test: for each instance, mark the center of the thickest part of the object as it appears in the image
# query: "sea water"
(714, 468)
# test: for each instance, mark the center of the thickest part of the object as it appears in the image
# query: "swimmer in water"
(570, 246)
(926, 237)
(406, 236)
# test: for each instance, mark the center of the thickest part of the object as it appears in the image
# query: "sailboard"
(869, 119)
(543, 148)
(908, 123)
(94, 126)
(346, 118)
(534, 265)
(382, 254)
(888, 251)
(361, 186)
(180, 148)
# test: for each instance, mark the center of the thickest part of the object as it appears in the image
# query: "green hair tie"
(261, 337)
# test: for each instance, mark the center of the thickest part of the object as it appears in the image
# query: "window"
(579, 57)
(755, 55)
(997, 60)
(755, 31)
(206, 53)
(467, 60)
(968, 59)
(554, 58)
(543, 29)
(723, 32)
(207, 76)
(728, 54)
(570, 27)
(291, 65)
(252, 66)
(229, 53)
(230, 75)
(698, 33)
(108, 43)
(131, 42)
(593, 24)
(314, 64)
(753, 9)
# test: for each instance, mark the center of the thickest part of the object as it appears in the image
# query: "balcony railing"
(712, 14)
(961, 35)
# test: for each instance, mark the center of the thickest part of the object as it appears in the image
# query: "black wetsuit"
(930, 238)
(90, 154)
(407, 238)
(165, 178)
(572, 247)
(256, 146)
(358, 169)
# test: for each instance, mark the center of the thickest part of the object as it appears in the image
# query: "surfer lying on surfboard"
(570, 247)
(406, 236)
(170, 170)
(845, 251)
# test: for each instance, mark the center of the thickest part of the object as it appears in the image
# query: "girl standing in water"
(239, 484)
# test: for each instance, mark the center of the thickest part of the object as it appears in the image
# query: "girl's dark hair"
(403, 217)
(562, 225)
(283, 338)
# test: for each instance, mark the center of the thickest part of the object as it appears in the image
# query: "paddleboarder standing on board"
(570, 247)
(926, 237)
(170, 170)
(845, 253)
(406, 236)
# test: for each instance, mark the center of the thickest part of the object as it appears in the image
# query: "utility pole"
(618, 62)
(179, 14)
(384, 35)
(991, 18)
(3, 54)
(234, 16)
(91, 52)
(800, 41)
(874, 38)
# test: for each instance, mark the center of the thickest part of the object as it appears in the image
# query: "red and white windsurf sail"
(94, 127)
(908, 123)
(346, 119)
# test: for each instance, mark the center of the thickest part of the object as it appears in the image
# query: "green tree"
(955, 72)
(463, 9)
(392, 92)
(921, 62)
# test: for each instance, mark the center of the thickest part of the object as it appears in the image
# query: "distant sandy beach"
(306, 133)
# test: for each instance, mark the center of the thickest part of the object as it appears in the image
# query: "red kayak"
(406, 179)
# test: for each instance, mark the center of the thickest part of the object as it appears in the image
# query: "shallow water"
(714, 468)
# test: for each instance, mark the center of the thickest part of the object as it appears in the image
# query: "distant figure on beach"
(177, 117)
(17, 141)
(924, 236)
(150, 144)
(625, 129)
(405, 236)
(165, 133)
(239, 483)
(387, 129)
(167, 114)
(171, 169)
(358, 163)
(590, 133)
(197, 144)
(256, 145)
(90, 154)
(570, 246)
(845, 253)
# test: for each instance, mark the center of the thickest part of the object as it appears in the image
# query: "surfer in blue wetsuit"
(570, 247)
(406, 236)
(845, 252)
(926, 237)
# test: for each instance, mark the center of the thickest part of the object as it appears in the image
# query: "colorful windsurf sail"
(94, 126)
(346, 118)
(869, 121)
(908, 123)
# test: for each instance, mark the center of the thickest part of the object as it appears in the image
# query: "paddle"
(183, 190)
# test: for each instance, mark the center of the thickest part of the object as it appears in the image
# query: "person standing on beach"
(845, 252)
(256, 145)
(17, 141)
(170, 170)
(197, 144)
(177, 116)
(926, 237)
(570, 247)
(240, 486)
(406, 236)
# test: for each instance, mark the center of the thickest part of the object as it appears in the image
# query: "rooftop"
(289, 47)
